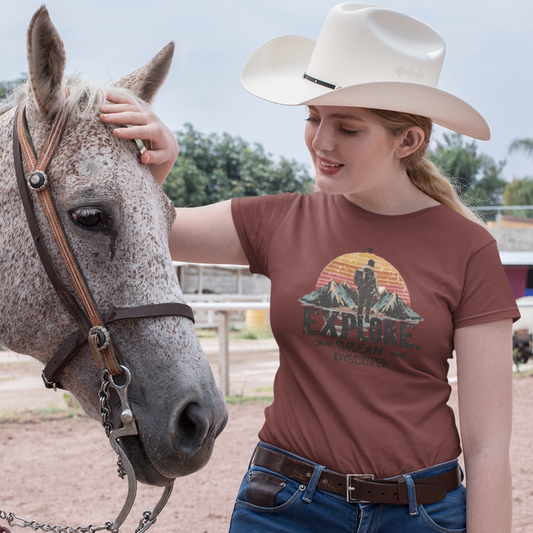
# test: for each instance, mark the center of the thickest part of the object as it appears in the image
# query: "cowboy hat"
(366, 56)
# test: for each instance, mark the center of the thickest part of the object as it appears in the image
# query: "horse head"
(117, 221)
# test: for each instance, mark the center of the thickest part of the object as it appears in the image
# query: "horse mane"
(84, 96)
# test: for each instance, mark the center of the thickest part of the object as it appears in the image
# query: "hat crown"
(362, 43)
(366, 56)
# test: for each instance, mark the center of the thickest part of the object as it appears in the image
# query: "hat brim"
(274, 72)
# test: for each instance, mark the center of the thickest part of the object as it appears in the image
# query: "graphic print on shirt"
(362, 303)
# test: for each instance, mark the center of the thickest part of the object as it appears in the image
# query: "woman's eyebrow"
(347, 116)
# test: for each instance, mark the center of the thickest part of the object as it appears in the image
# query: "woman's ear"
(410, 141)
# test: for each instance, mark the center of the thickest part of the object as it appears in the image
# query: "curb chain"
(47, 528)
(105, 413)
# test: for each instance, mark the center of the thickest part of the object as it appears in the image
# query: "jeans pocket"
(448, 515)
(263, 490)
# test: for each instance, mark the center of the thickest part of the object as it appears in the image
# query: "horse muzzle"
(179, 446)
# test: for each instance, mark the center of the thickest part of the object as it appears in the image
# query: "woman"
(375, 281)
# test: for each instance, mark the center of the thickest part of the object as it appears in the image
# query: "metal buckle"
(349, 487)
(48, 384)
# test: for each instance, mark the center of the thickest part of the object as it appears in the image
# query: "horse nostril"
(189, 427)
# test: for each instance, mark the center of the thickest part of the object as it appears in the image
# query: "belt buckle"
(349, 487)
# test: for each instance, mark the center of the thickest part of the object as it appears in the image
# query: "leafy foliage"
(522, 145)
(478, 178)
(212, 168)
(519, 192)
(7, 86)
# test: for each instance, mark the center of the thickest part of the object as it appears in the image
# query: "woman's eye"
(90, 218)
(348, 132)
(311, 120)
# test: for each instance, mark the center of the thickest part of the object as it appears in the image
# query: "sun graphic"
(342, 269)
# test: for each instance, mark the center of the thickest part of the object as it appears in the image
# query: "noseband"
(91, 323)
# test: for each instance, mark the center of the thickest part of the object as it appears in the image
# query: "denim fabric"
(302, 509)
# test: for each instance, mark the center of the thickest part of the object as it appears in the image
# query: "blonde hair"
(421, 170)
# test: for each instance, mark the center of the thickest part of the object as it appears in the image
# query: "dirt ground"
(62, 470)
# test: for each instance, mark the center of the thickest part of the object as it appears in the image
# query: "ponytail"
(421, 170)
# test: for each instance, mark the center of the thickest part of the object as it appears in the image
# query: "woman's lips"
(328, 167)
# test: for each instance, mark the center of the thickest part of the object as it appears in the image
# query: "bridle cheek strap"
(103, 352)
(92, 326)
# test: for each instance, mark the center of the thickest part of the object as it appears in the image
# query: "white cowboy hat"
(366, 56)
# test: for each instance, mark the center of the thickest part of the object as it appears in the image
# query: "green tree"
(8, 86)
(519, 192)
(212, 168)
(522, 145)
(477, 177)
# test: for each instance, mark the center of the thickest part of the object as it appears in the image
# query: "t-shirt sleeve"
(257, 220)
(487, 295)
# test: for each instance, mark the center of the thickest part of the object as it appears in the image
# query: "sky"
(488, 59)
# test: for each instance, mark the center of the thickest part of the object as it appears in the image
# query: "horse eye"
(89, 218)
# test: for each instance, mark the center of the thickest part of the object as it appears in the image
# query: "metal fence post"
(223, 355)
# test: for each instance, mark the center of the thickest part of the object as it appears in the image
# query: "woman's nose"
(323, 140)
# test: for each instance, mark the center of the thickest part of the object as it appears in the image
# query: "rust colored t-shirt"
(364, 308)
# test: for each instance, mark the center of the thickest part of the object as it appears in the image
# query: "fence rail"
(223, 309)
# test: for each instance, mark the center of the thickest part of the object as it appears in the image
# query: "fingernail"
(147, 160)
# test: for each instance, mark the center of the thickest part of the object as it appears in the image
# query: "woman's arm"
(484, 370)
(206, 235)
(161, 144)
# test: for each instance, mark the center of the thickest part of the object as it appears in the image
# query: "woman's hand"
(160, 143)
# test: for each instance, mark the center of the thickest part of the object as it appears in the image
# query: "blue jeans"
(304, 509)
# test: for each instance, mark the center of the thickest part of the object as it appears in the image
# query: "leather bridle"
(91, 323)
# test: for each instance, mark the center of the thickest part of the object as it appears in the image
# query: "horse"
(117, 222)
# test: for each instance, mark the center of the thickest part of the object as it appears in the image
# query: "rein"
(91, 323)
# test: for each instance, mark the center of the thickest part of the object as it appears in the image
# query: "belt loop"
(251, 463)
(313, 482)
(411, 493)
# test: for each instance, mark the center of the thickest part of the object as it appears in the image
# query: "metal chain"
(145, 522)
(105, 413)
(47, 528)
(105, 408)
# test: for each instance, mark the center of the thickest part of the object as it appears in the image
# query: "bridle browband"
(91, 323)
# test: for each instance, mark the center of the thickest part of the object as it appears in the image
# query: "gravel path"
(63, 470)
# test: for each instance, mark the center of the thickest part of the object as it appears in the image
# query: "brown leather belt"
(360, 487)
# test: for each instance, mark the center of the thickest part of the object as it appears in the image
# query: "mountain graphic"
(333, 296)
(393, 306)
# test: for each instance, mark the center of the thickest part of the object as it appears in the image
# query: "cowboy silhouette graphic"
(367, 288)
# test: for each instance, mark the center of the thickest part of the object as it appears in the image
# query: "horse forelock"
(84, 96)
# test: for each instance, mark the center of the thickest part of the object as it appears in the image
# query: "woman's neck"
(401, 198)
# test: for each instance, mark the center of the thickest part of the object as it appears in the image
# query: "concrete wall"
(222, 281)
(514, 239)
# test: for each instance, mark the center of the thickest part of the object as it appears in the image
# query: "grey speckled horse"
(118, 221)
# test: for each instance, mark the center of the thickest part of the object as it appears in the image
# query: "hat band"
(320, 82)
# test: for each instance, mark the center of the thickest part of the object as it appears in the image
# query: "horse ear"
(146, 81)
(46, 62)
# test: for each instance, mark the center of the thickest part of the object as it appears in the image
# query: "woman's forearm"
(489, 492)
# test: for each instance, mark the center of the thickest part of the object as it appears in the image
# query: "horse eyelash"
(86, 211)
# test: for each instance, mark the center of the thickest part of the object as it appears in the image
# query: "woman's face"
(353, 153)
